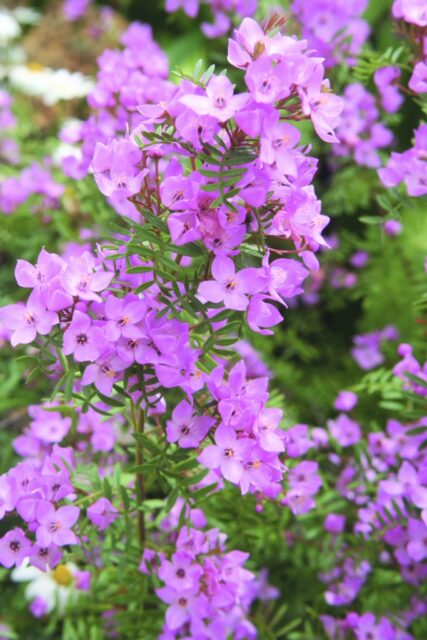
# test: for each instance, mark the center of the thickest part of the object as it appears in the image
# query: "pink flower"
(14, 547)
(268, 80)
(102, 513)
(262, 314)
(230, 287)
(227, 454)
(55, 525)
(219, 101)
(48, 266)
(26, 321)
(190, 7)
(104, 373)
(186, 429)
(115, 168)
(418, 81)
(84, 341)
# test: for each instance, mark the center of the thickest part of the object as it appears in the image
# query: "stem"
(140, 487)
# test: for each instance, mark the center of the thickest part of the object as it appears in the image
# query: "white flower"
(56, 588)
(26, 15)
(51, 85)
(9, 27)
(66, 150)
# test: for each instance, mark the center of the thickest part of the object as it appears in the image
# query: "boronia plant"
(166, 487)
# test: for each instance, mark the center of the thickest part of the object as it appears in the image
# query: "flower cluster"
(387, 489)
(75, 9)
(366, 350)
(35, 179)
(35, 493)
(408, 167)
(360, 132)
(412, 11)
(127, 78)
(260, 188)
(335, 29)
(386, 80)
(223, 11)
(410, 365)
(9, 149)
(367, 625)
(207, 589)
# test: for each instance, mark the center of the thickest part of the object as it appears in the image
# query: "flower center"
(108, 371)
(230, 285)
(81, 338)
(15, 546)
(220, 102)
(124, 320)
(83, 284)
(54, 526)
(62, 575)
(29, 318)
(121, 181)
(229, 453)
(265, 85)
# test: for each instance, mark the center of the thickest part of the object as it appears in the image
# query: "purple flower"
(45, 557)
(122, 315)
(346, 401)
(219, 101)
(230, 287)
(304, 478)
(115, 168)
(14, 548)
(181, 573)
(50, 426)
(80, 281)
(277, 141)
(190, 7)
(366, 351)
(7, 500)
(104, 373)
(345, 431)
(392, 227)
(413, 11)
(334, 523)
(182, 605)
(48, 266)
(75, 9)
(82, 339)
(324, 108)
(417, 544)
(227, 454)
(268, 80)
(102, 513)
(298, 441)
(26, 321)
(418, 81)
(55, 525)
(186, 429)
(262, 314)
(271, 437)
(359, 259)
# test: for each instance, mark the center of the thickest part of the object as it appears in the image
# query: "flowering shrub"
(216, 424)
